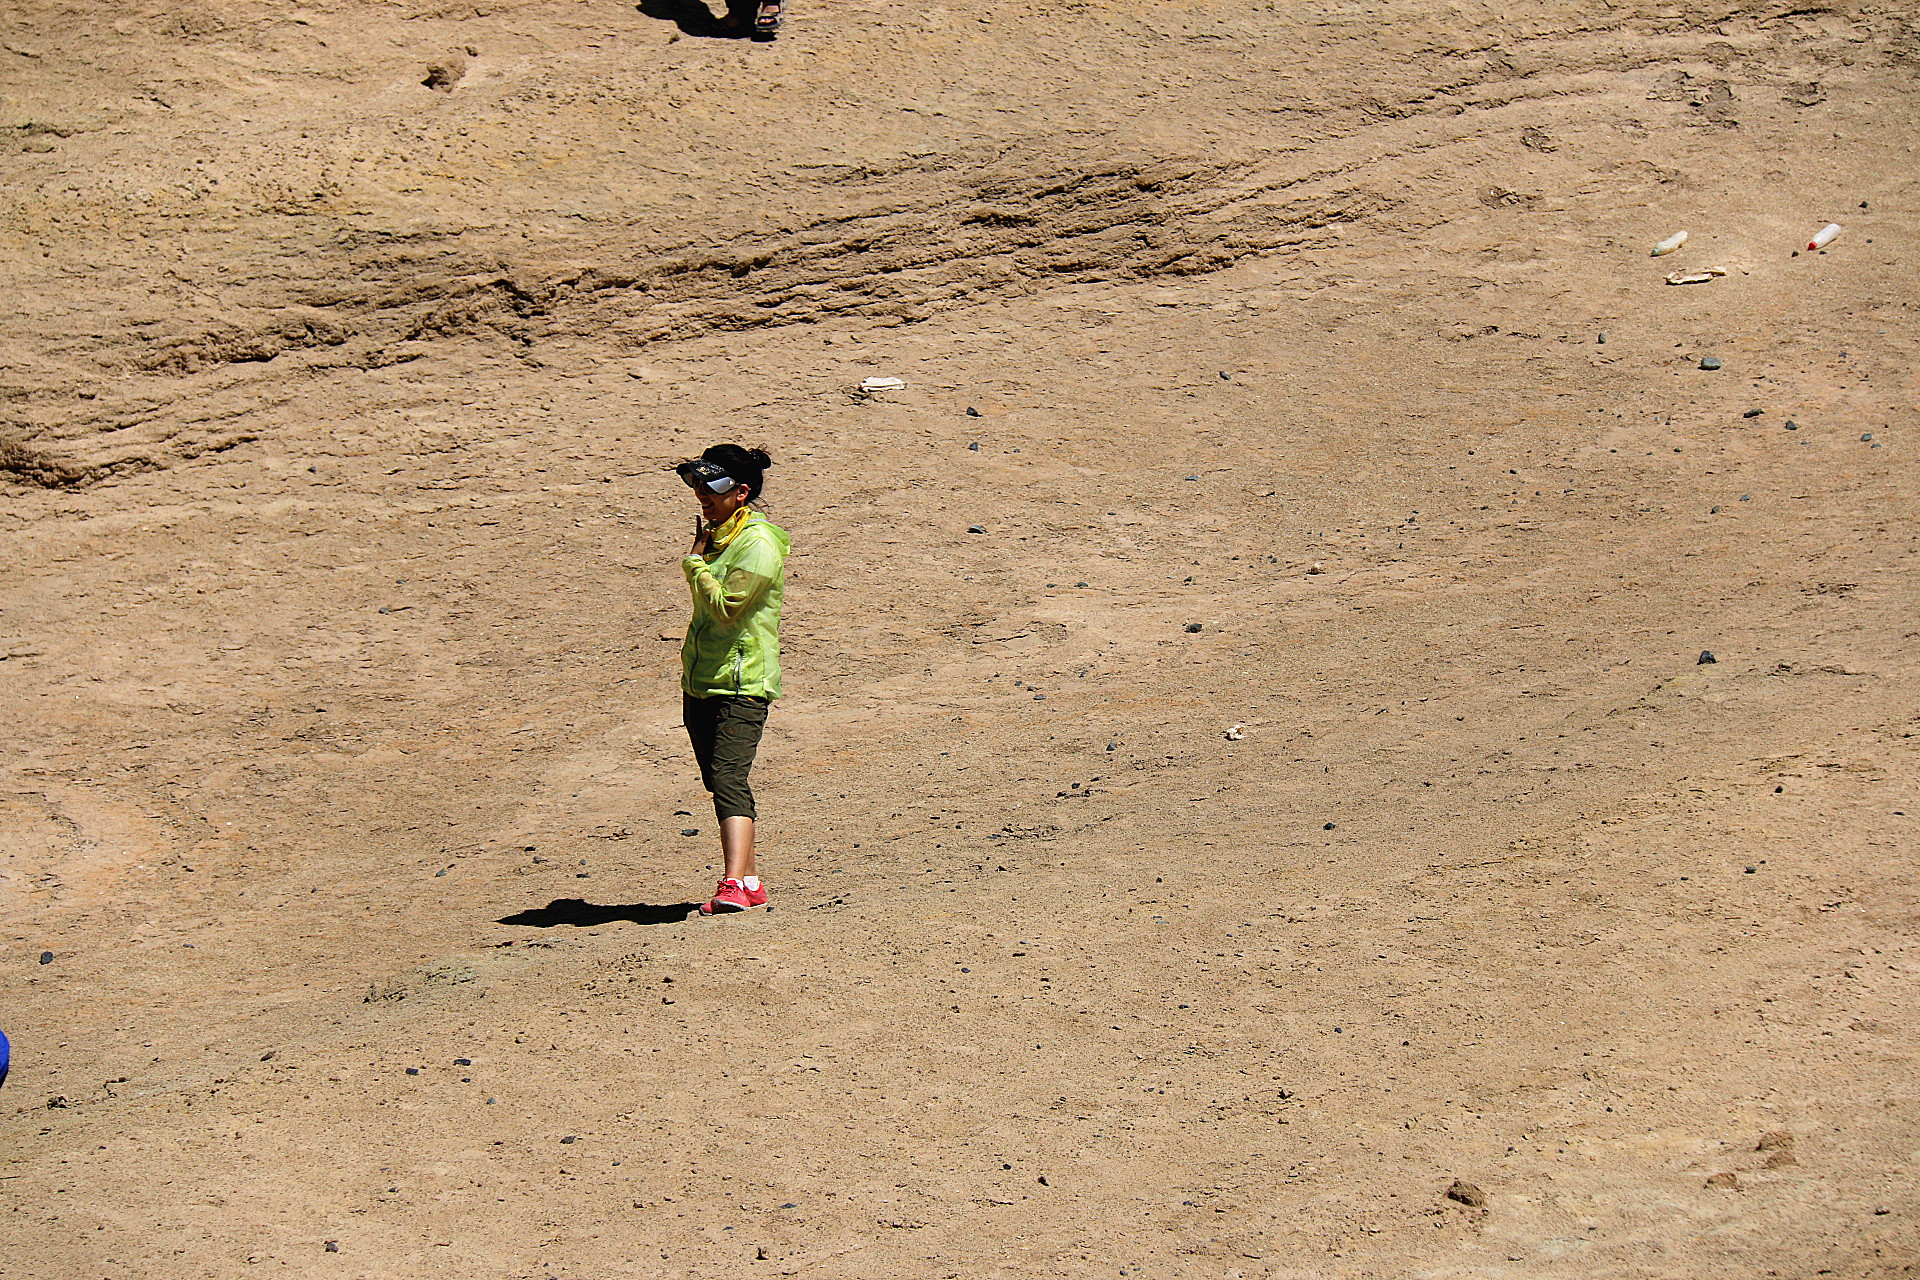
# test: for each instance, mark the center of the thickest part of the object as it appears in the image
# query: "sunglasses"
(701, 473)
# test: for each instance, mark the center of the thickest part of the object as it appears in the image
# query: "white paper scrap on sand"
(1695, 277)
(872, 386)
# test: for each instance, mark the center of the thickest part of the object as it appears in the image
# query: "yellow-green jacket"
(733, 641)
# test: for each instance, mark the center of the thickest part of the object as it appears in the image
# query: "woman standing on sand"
(730, 661)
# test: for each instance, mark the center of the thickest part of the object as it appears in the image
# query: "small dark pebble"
(974, 528)
(1079, 584)
(46, 957)
(1193, 477)
(1468, 1194)
(1706, 656)
(1113, 746)
(1043, 1182)
(1866, 435)
(974, 447)
(384, 609)
(1039, 697)
(972, 412)
(1225, 376)
(1601, 338)
(413, 1071)
(760, 1253)
(1778, 790)
(789, 1205)
(1746, 497)
(333, 1246)
(569, 1140)
(689, 831)
(1192, 627)
(1751, 870)
(1714, 512)
(1709, 362)
(463, 1062)
(1753, 413)
(442, 871)
(1328, 827)
(1792, 425)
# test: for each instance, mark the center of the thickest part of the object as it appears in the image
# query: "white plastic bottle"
(1824, 236)
(1671, 243)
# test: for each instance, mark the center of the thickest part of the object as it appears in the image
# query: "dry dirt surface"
(1251, 799)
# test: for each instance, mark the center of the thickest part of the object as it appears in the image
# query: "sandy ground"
(341, 831)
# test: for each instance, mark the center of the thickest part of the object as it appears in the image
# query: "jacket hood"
(779, 535)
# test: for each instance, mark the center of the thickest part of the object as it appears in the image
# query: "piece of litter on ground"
(1235, 735)
(873, 386)
(1694, 277)
(1671, 243)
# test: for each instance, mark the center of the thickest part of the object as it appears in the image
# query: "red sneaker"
(731, 895)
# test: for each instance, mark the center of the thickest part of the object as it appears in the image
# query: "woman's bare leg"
(736, 848)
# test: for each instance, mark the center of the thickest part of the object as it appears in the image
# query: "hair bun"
(759, 458)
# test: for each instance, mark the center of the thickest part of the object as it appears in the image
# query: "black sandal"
(766, 19)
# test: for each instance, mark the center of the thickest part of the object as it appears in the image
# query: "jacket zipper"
(739, 657)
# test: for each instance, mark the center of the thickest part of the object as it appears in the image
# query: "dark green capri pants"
(725, 732)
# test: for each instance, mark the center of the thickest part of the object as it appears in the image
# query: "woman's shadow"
(582, 914)
(694, 19)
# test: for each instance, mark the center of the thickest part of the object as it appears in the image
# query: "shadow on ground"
(582, 914)
(692, 17)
